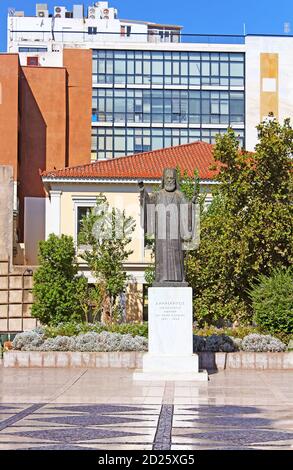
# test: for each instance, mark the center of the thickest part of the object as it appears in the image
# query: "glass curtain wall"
(147, 93)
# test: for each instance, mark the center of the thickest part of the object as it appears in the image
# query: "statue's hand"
(187, 238)
(141, 185)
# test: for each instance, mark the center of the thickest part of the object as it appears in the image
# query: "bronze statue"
(170, 219)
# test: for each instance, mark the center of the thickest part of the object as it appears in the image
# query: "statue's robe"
(167, 216)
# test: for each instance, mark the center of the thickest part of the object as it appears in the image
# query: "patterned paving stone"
(90, 410)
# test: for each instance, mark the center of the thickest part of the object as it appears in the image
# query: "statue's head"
(169, 181)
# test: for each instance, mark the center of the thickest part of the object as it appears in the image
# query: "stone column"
(6, 213)
(53, 213)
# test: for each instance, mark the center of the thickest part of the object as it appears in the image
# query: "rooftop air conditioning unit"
(60, 12)
(42, 10)
(43, 14)
(78, 11)
(106, 13)
(93, 13)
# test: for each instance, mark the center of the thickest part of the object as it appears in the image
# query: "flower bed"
(105, 341)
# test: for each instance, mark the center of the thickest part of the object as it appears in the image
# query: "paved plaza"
(105, 409)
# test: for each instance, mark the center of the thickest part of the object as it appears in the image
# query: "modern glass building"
(145, 100)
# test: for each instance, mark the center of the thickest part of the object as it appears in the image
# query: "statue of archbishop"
(170, 219)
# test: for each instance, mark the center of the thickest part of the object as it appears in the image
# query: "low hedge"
(74, 329)
(37, 340)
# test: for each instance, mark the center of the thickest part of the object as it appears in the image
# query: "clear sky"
(197, 16)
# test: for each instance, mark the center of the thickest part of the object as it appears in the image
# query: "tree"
(247, 230)
(105, 234)
(56, 284)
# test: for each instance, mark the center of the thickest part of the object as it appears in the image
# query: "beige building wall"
(122, 196)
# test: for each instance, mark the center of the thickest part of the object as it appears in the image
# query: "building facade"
(152, 85)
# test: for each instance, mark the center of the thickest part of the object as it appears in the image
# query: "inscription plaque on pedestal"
(170, 321)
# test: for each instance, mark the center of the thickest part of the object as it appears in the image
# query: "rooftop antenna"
(287, 28)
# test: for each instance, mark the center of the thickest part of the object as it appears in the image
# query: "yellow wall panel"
(269, 85)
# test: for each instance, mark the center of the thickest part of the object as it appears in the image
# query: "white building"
(49, 32)
(153, 86)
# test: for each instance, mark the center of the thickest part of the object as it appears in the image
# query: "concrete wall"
(6, 212)
(43, 124)
(34, 227)
(15, 299)
(134, 360)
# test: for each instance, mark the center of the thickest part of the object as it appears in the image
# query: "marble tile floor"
(104, 409)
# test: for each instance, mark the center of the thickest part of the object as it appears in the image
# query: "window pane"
(168, 68)
(237, 70)
(176, 68)
(224, 70)
(194, 68)
(109, 66)
(101, 66)
(138, 67)
(119, 66)
(81, 213)
(214, 68)
(205, 67)
(130, 67)
(146, 68)
(119, 104)
(184, 68)
(119, 143)
(157, 68)
(236, 106)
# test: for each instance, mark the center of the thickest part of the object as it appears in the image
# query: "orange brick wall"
(9, 77)
(78, 64)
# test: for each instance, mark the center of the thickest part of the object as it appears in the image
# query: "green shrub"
(272, 302)
(56, 285)
(74, 329)
(237, 332)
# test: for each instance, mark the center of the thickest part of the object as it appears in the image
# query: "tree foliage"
(56, 285)
(247, 230)
(104, 238)
(272, 301)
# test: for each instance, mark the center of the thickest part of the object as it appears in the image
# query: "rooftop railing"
(150, 37)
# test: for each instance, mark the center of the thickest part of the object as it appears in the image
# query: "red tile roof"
(146, 165)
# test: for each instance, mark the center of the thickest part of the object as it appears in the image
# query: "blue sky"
(197, 16)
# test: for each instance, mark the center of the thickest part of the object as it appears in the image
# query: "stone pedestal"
(170, 355)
